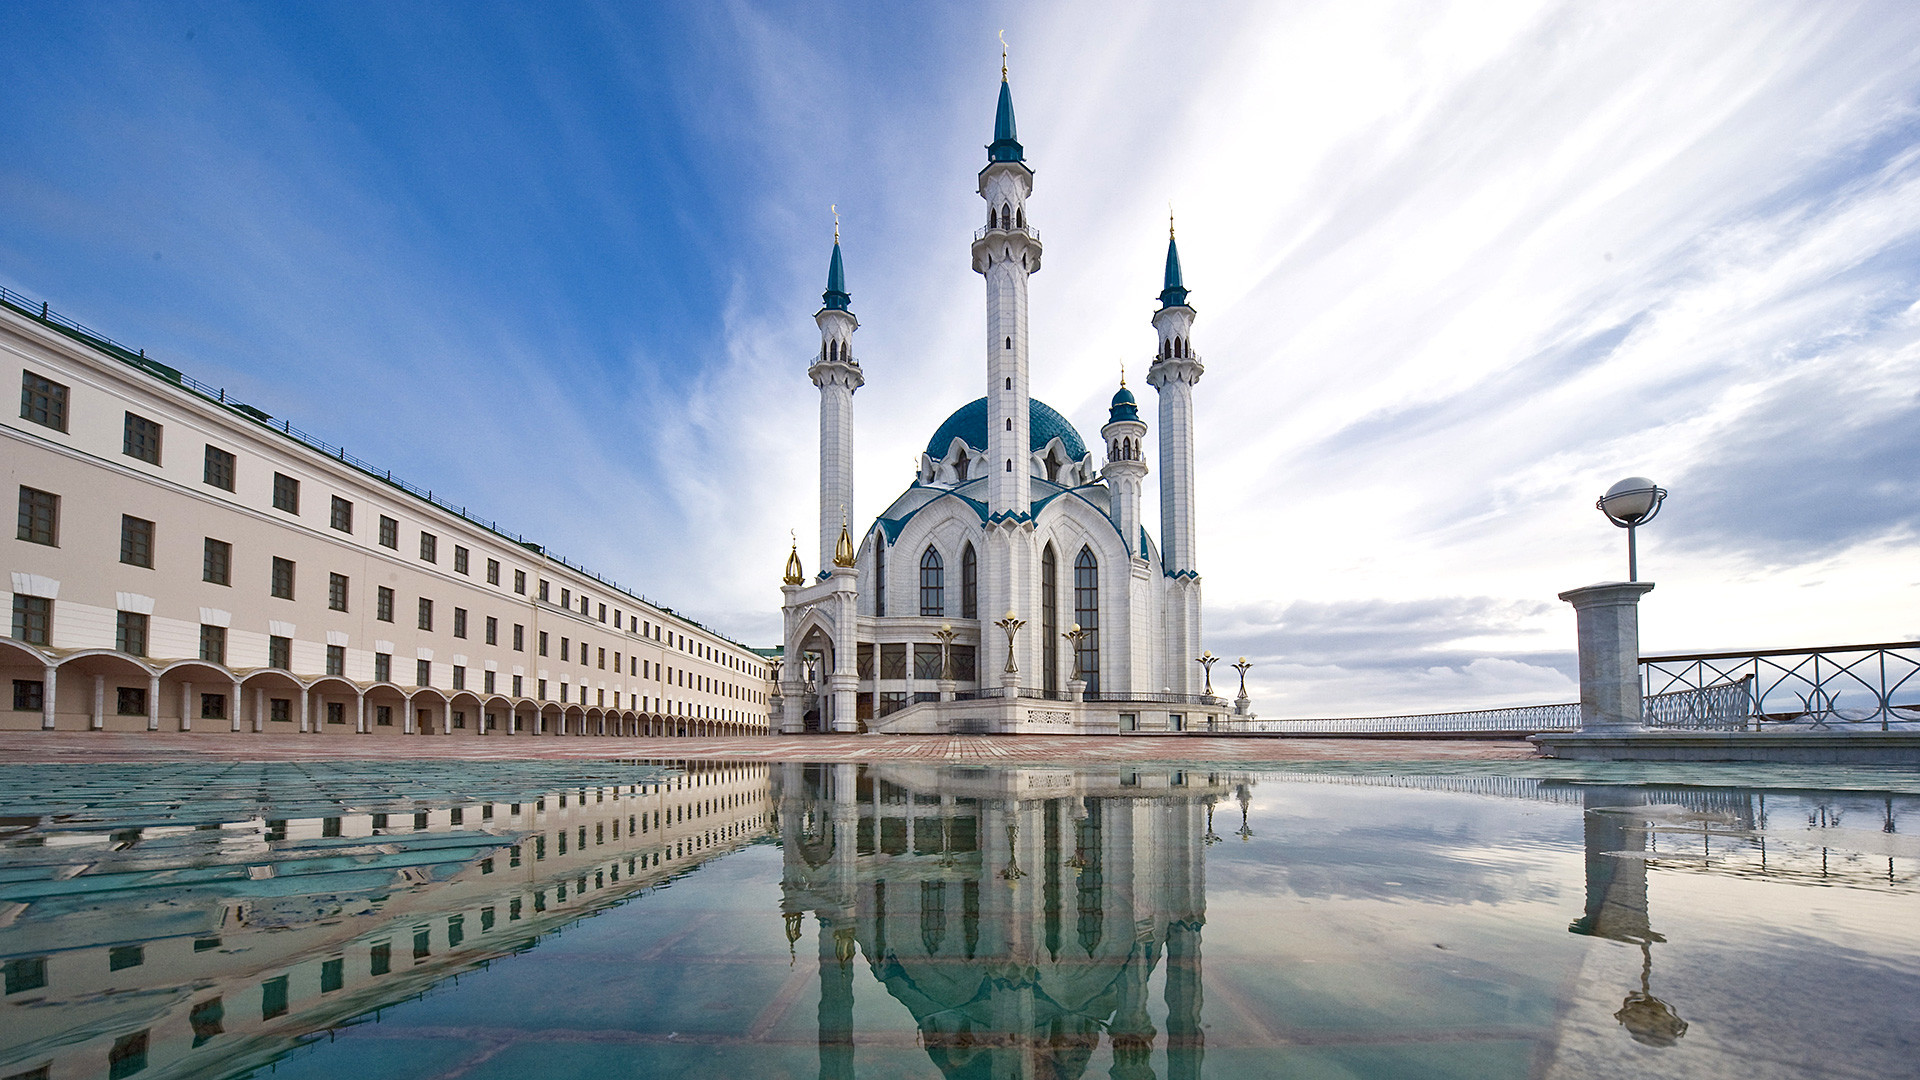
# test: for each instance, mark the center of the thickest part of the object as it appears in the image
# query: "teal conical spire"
(1174, 292)
(1006, 143)
(836, 297)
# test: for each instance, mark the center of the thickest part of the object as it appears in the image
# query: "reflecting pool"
(667, 919)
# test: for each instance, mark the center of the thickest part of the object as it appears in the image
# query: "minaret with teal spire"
(1006, 252)
(1176, 368)
(837, 374)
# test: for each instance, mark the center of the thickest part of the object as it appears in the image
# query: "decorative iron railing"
(1527, 719)
(1719, 707)
(1827, 687)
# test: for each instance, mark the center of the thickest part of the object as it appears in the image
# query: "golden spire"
(1169, 219)
(835, 207)
(795, 575)
(843, 551)
(1123, 373)
(1003, 56)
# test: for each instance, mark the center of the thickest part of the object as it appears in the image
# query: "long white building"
(185, 562)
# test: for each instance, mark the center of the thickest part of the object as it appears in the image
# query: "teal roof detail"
(1006, 144)
(836, 297)
(1124, 407)
(1174, 292)
(969, 423)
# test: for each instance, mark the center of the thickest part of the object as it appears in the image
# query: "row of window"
(43, 401)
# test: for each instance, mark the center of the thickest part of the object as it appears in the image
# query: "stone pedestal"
(1076, 689)
(1009, 684)
(1609, 634)
(946, 689)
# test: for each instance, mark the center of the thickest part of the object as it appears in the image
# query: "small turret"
(1126, 468)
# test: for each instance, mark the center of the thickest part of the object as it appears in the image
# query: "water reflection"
(965, 921)
(1018, 914)
(149, 932)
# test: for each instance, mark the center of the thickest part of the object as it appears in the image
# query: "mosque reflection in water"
(1014, 922)
(1018, 914)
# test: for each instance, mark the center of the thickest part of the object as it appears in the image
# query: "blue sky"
(1458, 268)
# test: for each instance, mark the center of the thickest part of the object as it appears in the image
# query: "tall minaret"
(1176, 367)
(1006, 251)
(837, 374)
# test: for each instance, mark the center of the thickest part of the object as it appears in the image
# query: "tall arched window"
(932, 583)
(1049, 620)
(880, 573)
(969, 578)
(1086, 612)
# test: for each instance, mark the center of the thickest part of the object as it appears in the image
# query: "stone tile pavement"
(102, 746)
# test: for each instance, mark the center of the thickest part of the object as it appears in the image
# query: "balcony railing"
(982, 234)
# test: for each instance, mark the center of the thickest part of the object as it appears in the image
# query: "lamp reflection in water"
(1617, 905)
(1006, 977)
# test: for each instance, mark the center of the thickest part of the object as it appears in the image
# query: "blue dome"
(1124, 407)
(969, 423)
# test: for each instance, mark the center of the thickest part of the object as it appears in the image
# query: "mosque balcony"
(993, 230)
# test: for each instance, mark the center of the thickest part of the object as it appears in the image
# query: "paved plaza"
(107, 746)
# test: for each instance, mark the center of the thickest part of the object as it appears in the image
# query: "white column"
(153, 703)
(303, 712)
(360, 713)
(234, 712)
(99, 702)
(47, 699)
(259, 709)
(186, 706)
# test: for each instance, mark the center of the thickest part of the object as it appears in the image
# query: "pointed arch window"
(880, 574)
(932, 583)
(1049, 620)
(969, 583)
(1086, 612)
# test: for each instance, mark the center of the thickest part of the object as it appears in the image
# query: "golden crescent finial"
(1169, 219)
(1123, 372)
(1003, 56)
(835, 207)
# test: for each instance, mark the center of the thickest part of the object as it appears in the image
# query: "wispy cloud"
(1459, 267)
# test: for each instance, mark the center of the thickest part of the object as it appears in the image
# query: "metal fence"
(1529, 719)
(1827, 687)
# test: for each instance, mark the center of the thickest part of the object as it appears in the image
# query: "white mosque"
(1013, 587)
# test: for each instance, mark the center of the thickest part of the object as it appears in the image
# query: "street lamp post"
(1073, 637)
(1630, 504)
(1206, 660)
(946, 634)
(1011, 623)
(1241, 703)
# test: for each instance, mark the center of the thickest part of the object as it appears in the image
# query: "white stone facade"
(1008, 513)
(195, 566)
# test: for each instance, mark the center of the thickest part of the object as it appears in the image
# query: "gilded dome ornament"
(795, 575)
(843, 551)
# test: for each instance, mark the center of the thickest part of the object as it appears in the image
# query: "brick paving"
(105, 746)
